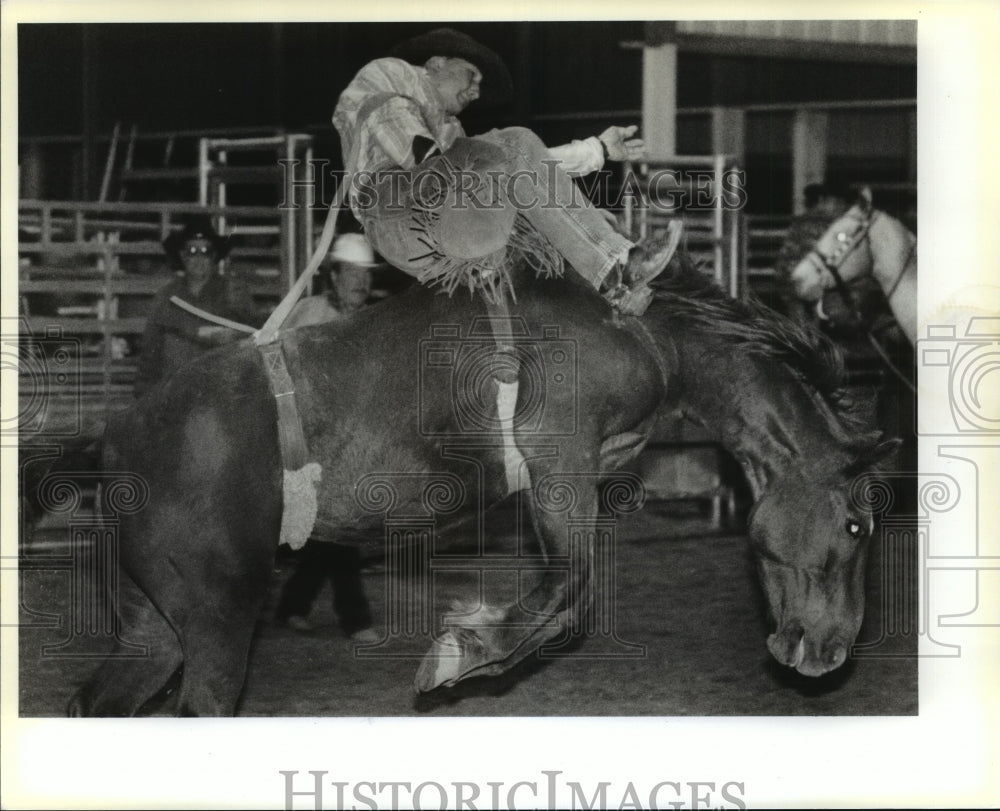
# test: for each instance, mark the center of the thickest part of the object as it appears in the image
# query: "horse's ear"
(885, 449)
(865, 198)
(882, 451)
(872, 456)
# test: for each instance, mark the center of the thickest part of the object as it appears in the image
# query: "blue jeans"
(540, 190)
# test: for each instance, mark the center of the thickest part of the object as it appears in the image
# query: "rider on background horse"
(397, 123)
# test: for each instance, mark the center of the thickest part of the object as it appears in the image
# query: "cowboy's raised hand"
(621, 145)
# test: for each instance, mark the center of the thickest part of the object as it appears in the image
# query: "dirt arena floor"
(689, 631)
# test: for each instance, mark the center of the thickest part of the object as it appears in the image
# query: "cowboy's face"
(455, 80)
(198, 257)
(353, 285)
(831, 205)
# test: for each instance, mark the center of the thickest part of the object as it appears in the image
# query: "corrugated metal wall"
(861, 32)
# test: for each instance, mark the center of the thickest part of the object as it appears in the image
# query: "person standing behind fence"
(173, 337)
(350, 284)
(319, 560)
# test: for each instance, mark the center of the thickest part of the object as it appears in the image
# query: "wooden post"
(718, 222)
(293, 221)
(31, 169)
(310, 202)
(523, 67)
(109, 164)
(288, 230)
(204, 168)
(277, 71)
(809, 128)
(911, 147)
(659, 89)
(88, 79)
(46, 224)
(729, 132)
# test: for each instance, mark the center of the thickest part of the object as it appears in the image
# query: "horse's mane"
(691, 297)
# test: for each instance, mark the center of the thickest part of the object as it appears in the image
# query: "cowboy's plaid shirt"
(409, 107)
(397, 102)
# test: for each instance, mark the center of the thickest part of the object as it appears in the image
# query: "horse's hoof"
(76, 707)
(442, 666)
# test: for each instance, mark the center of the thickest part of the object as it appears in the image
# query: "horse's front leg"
(564, 508)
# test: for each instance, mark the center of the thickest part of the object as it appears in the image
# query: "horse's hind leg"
(565, 510)
(217, 631)
(121, 686)
(215, 663)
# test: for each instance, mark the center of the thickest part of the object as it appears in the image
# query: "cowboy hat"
(197, 226)
(354, 249)
(497, 86)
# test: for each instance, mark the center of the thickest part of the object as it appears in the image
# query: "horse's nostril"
(800, 652)
(788, 645)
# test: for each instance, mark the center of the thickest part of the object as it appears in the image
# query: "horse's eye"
(853, 528)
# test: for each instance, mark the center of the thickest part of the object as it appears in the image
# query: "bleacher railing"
(87, 273)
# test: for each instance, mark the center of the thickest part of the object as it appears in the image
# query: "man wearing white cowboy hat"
(397, 123)
(352, 260)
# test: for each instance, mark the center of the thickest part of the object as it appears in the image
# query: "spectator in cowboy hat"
(352, 260)
(173, 336)
(397, 120)
(350, 284)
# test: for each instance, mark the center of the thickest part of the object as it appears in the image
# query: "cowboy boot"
(627, 288)
(628, 301)
(649, 259)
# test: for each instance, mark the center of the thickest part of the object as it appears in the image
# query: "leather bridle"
(847, 243)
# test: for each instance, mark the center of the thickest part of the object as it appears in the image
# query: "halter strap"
(902, 271)
(832, 265)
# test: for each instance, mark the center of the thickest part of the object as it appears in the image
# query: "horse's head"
(841, 248)
(811, 542)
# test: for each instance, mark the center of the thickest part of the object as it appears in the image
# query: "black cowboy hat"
(497, 86)
(814, 191)
(196, 226)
